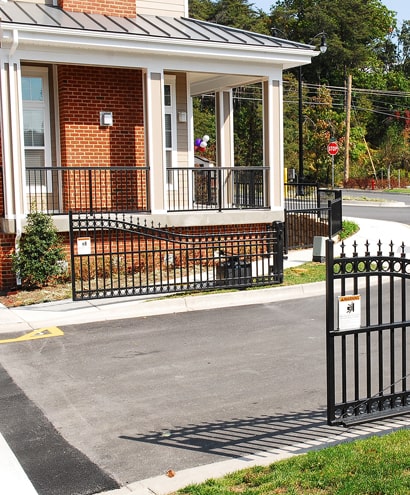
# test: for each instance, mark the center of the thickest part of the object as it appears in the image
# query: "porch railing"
(217, 188)
(58, 190)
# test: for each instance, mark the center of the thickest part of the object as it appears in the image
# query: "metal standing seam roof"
(172, 28)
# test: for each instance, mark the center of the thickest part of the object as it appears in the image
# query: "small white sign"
(350, 313)
(84, 245)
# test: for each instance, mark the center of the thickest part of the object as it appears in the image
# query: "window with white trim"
(170, 123)
(36, 121)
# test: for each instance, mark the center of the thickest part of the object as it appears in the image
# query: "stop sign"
(333, 148)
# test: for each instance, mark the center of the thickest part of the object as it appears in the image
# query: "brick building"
(96, 114)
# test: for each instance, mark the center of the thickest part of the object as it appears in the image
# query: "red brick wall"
(119, 8)
(7, 276)
(83, 93)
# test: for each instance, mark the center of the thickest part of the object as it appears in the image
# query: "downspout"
(15, 150)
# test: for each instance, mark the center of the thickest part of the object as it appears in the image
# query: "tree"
(353, 27)
(248, 126)
(235, 13)
(393, 152)
(322, 125)
(201, 9)
(404, 47)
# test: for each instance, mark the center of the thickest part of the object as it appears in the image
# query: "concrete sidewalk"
(29, 318)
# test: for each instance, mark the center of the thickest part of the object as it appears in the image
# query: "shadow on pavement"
(240, 437)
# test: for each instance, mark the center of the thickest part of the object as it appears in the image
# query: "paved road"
(141, 396)
(365, 204)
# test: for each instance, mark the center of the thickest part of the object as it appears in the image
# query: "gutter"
(14, 120)
(121, 42)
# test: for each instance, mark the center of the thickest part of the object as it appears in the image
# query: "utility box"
(291, 174)
(319, 249)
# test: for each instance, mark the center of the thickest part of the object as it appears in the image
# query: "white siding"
(171, 8)
(48, 2)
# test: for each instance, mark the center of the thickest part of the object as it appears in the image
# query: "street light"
(301, 178)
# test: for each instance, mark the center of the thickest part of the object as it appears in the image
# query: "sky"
(402, 7)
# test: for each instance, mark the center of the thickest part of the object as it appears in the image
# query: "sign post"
(333, 149)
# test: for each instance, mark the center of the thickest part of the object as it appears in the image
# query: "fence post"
(330, 316)
(330, 219)
(278, 227)
(219, 189)
(90, 189)
(71, 232)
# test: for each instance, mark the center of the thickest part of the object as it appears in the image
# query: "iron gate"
(367, 330)
(113, 256)
(309, 212)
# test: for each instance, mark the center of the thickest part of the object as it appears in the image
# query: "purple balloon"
(198, 141)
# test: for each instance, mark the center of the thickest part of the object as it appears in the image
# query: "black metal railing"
(301, 196)
(217, 188)
(58, 190)
(368, 332)
(114, 256)
(316, 212)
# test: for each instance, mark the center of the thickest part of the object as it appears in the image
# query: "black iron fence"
(113, 256)
(217, 188)
(310, 212)
(367, 327)
(58, 190)
(300, 196)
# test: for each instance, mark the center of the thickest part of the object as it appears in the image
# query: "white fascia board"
(59, 40)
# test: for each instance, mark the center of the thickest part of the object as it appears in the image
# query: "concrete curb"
(14, 480)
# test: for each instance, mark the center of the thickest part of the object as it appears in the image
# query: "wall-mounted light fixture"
(181, 116)
(106, 119)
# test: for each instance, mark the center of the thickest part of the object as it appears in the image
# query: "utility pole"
(348, 117)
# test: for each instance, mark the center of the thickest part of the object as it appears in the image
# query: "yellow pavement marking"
(41, 333)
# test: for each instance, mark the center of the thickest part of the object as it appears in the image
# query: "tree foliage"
(235, 13)
(363, 40)
(354, 29)
(40, 254)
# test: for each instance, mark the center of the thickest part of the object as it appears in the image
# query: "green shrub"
(348, 229)
(40, 256)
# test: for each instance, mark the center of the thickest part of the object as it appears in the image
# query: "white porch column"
(154, 129)
(273, 141)
(12, 144)
(225, 141)
(224, 128)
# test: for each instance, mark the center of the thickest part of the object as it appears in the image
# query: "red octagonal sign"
(333, 148)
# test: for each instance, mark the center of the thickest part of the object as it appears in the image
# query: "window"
(37, 152)
(170, 120)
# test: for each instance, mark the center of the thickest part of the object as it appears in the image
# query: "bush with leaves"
(40, 256)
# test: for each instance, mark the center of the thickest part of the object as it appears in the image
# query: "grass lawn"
(375, 466)
(400, 190)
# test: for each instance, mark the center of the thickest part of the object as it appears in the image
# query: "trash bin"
(235, 271)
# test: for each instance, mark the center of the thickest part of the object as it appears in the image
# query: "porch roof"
(23, 14)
